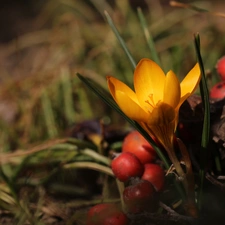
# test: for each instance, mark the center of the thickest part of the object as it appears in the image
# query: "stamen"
(151, 101)
(151, 98)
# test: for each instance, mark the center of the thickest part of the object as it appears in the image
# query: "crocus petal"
(190, 83)
(130, 107)
(117, 85)
(149, 80)
(171, 90)
(126, 99)
(176, 120)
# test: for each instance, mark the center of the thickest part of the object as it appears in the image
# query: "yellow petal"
(171, 90)
(126, 99)
(148, 81)
(190, 83)
(176, 120)
(130, 107)
(117, 85)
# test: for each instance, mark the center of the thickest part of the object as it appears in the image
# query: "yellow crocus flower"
(156, 98)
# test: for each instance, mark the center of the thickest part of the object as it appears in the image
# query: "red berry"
(220, 66)
(135, 143)
(155, 175)
(139, 197)
(118, 218)
(127, 165)
(106, 214)
(218, 90)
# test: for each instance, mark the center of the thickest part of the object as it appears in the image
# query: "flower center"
(151, 102)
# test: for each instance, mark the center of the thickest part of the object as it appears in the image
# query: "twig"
(189, 6)
(176, 216)
(221, 178)
(171, 216)
(168, 209)
(214, 181)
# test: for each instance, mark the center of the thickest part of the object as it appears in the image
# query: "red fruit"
(117, 219)
(220, 67)
(218, 90)
(106, 214)
(155, 175)
(127, 165)
(139, 197)
(135, 143)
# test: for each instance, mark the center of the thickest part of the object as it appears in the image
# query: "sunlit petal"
(117, 85)
(129, 107)
(171, 94)
(149, 80)
(190, 83)
(176, 120)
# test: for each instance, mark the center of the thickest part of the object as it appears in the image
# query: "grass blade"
(206, 121)
(148, 37)
(67, 92)
(120, 39)
(49, 115)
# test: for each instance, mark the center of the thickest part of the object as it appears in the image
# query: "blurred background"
(45, 43)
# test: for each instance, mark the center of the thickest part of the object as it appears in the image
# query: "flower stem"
(187, 178)
(190, 179)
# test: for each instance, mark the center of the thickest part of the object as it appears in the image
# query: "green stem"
(206, 121)
(187, 181)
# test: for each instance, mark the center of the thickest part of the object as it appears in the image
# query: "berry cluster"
(143, 180)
